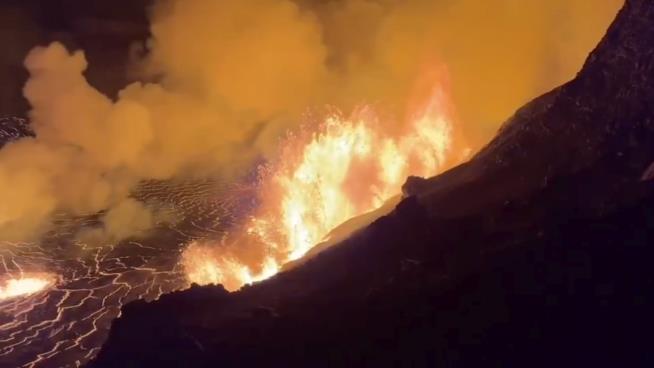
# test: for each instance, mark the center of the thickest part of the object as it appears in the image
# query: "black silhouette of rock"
(537, 252)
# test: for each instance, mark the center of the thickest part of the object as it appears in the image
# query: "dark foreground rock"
(537, 252)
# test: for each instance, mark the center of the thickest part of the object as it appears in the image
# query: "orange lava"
(23, 286)
(347, 167)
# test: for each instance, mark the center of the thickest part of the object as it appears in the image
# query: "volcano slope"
(537, 252)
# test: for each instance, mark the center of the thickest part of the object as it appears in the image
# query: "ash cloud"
(222, 80)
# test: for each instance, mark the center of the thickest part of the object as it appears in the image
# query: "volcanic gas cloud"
(224, 83)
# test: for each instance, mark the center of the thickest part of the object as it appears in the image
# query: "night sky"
(104, 29)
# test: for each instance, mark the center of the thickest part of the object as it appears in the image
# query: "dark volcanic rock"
(535, 253)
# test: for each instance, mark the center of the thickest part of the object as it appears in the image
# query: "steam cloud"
(226, 78)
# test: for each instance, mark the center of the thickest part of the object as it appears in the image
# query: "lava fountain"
(346, 167)
(26, 285)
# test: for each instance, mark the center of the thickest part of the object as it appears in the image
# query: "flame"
(346, 168)
(23, 286)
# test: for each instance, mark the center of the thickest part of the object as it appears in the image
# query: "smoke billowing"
(223, 80)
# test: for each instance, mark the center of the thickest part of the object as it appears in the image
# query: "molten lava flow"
(16, 287)
(350, 166)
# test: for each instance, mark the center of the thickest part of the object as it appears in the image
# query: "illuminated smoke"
(228, 78)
